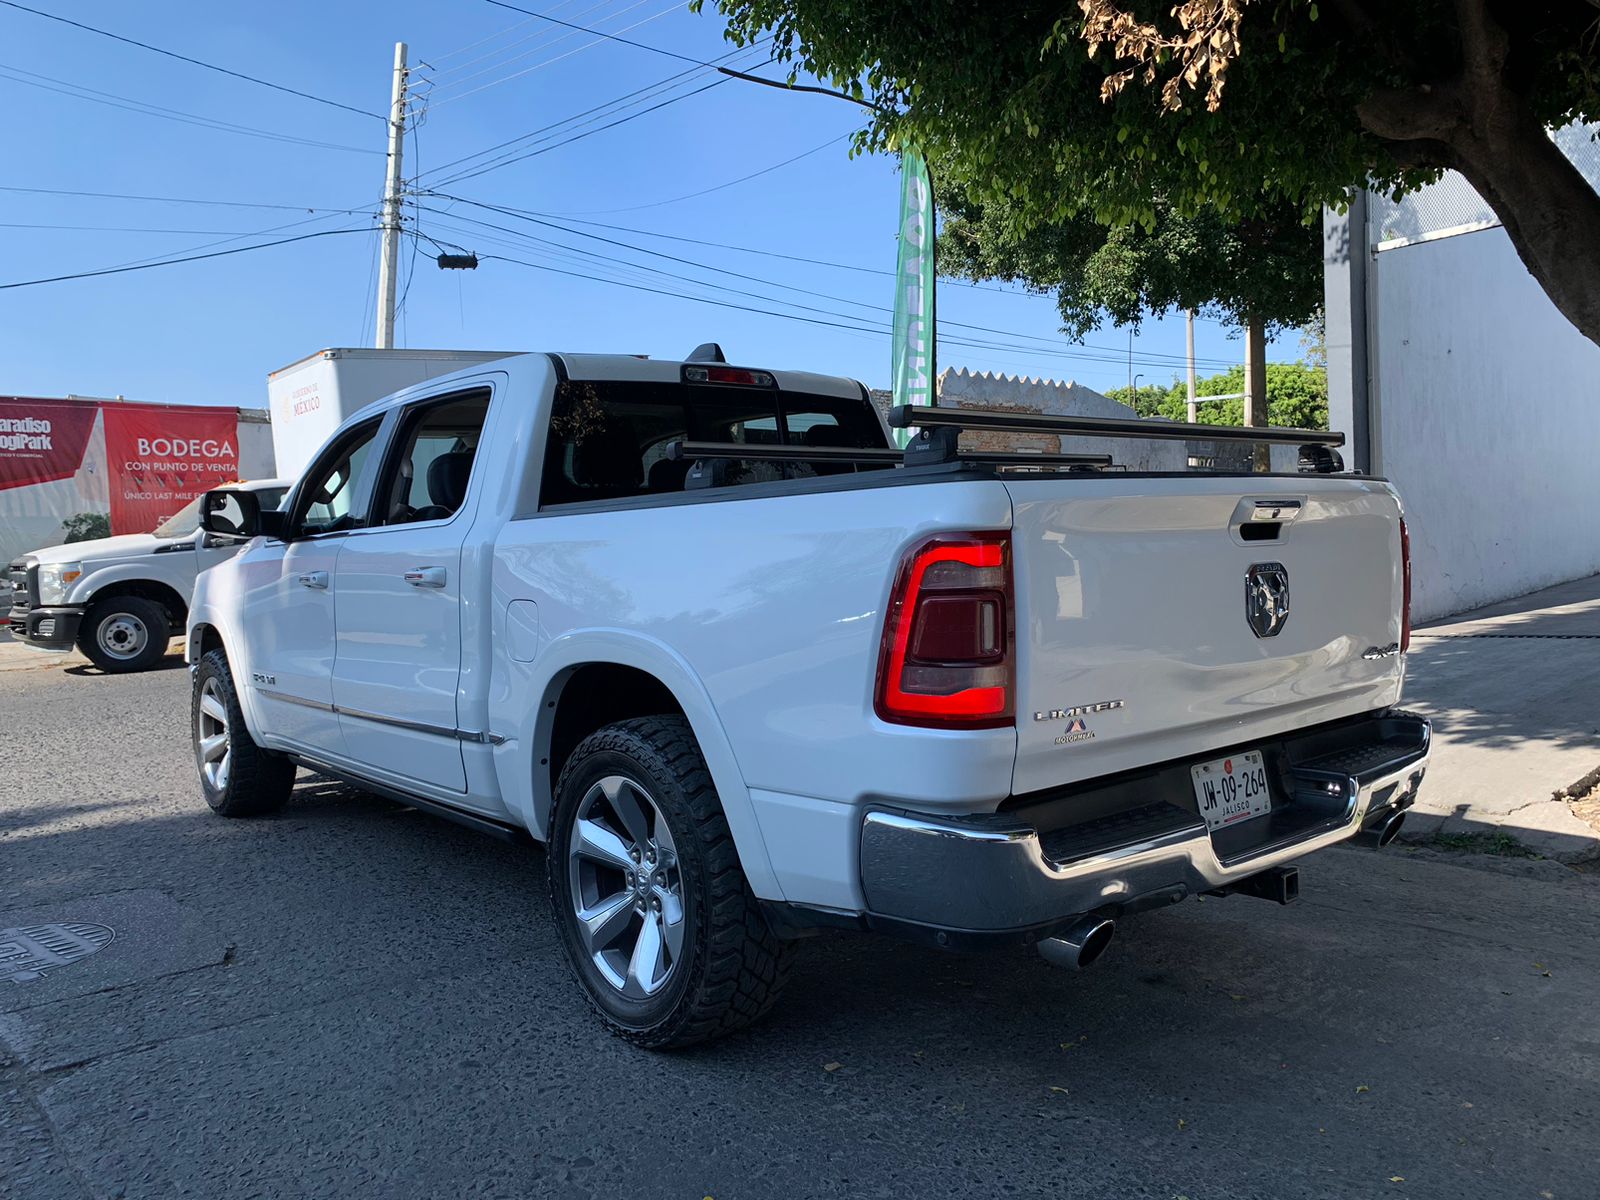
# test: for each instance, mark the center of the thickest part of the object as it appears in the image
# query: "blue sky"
(208, 332)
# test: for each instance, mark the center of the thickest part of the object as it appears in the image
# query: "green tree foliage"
(1297, 396)
(1269, 270)
(86, 527)
(1246, 108)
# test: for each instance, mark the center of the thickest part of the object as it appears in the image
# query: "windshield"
(185, 520)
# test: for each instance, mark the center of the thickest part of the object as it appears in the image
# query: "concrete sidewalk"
(14, 656)
(1514, 693)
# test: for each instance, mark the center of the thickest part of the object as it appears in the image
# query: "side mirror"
(235, 515)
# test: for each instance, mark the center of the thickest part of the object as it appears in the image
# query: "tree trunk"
(1479, 125)
(1548, 209)
(1255, 386)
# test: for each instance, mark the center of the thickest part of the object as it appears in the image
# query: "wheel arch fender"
(205, 632)
(523, 761)
(133, 579)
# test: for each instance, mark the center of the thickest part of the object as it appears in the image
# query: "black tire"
(254, 781)
(119, 620)
(732, 966)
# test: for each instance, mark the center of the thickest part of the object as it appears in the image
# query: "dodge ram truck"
(749, 671)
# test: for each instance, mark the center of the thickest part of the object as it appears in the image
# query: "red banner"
(162, 457)
(41, 440)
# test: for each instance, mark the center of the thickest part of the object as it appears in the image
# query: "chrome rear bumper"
(1000, 874)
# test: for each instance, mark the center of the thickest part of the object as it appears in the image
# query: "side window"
(326, 500)
(608, 439)
(426, 479)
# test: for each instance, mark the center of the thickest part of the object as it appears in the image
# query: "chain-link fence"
(1451, 206)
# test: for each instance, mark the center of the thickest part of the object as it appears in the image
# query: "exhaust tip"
(1383, 831)
(1081, 945)
(1391, 829)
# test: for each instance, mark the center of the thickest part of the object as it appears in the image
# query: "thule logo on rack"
(1066, 714)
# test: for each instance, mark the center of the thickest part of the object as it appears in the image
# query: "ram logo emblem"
(1266, 598)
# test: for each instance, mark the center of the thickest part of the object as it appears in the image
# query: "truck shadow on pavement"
(396, 987)
(172, 662)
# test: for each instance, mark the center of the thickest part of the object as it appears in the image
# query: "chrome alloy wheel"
(212, 744)
(122, 636)
(626, 887)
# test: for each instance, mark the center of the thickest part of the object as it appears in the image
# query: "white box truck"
(312, 397)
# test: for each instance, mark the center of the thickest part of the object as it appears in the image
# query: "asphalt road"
(353, 999)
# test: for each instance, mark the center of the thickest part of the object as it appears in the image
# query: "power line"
(663, 292)
(438, 58)
(277, 87)
(595, 255)
(602, 212)
(612, 37)
(1049, 342)
(853, 327)
(539, 66)
(646, 91)
(228, 240)
(78, 92)
(369, 301)
(506, 162)
(1050, 347)
(170, 262)
(416, 225)
(450, 82)
(432, 66)
(949, 281)
(120, 229)
(182, 199)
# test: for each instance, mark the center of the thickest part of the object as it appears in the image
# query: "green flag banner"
(911, 371)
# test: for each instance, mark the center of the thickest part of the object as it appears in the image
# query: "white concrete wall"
(1487, 419)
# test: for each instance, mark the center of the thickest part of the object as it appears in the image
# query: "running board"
(437, 808)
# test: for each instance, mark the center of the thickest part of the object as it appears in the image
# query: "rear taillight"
(949, 653)
(1405, 587)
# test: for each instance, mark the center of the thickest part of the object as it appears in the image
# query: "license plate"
(1230, 790)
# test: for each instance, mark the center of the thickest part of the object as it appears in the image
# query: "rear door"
(1167, 617)
(398, 665)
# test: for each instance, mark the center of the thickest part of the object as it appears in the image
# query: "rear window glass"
(609, 441)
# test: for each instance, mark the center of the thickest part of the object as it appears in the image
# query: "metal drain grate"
(26, 953)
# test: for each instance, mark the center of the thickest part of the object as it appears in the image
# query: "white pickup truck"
(750, 672)
(120, 599)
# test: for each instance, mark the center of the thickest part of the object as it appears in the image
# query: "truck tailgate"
(1134, 636)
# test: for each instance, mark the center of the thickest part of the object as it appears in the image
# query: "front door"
(398, 664)
(287, 614)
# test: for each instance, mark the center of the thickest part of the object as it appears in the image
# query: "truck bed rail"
(916, 416)
(688, 451)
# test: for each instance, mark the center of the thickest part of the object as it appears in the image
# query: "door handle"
(425, 577)
(313, 579)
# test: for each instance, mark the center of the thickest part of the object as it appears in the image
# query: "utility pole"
(1194, 407)
(389, 265)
